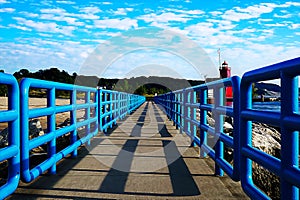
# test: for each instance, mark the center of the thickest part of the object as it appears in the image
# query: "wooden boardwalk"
(143, 157)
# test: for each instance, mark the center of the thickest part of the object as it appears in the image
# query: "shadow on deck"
(144, 156)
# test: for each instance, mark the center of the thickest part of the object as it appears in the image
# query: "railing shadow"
(115, 180)
(182, 181)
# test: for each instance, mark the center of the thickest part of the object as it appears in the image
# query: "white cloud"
(122, 24)
(294, 26)
(27, 14)
(106, 3)
(255, 11)
(276, 25)
(216, 13)
(292, 3)
(4, 1)
(261, 21)
(122, 11)
(165, 17)
(237, 13)
(7, 10)
(62, 15)
(53, 11)
(283, 16)
(84, 55)
(90, 10)
(255, 56)
(45, 27)
(19, 27)
(61, 55)
(193, 13)
(62, 18)
(206, 33)
(65, 2)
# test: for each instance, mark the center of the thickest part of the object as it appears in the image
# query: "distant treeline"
(138, 85)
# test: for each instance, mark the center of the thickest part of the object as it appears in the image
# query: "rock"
(3, 138)
(35, 128)
(210, 121)
(229, 119)
(266, 139)
(65, 123)
(227, 127)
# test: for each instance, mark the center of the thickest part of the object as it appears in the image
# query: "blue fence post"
(119, 99)
(128, 104)
(236, 82)
(11, 153)
(184, 112)
(289, 144)
(110, 109)
(172, 106)
(219, 121)
(73, 119)
(194, 117)
(50, 111)
(100, 110)
(51, 126)
(178, 111)
(87, 115)
(105, 109)
(203, 121)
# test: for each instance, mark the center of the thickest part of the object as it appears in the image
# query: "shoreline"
(42, 103)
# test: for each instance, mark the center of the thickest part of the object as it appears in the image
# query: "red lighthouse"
(225, 72)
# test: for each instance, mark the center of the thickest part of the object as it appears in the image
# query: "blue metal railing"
(181, 105)
(102, 103)
(11, 153)
(288, 119)
(90, 122)
(103, 108)
(115, 106)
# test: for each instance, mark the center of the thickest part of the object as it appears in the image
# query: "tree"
(3, 88)
(254, 91)
(141, 90)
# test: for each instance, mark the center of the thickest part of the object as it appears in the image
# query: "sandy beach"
(42, 103)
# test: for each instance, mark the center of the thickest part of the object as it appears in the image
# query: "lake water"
(271, 106)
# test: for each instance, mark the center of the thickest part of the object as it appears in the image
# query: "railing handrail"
(287, 168)
(181, 107)
(12, 151)
(181, 103)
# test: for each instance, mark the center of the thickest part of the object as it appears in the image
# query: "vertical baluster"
(51, 125)
(219, 121)
(73, 138)
(203, 121)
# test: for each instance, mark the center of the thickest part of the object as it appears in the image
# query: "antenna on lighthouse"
(219, 52)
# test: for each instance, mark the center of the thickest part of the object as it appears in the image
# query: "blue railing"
(288, 119)
(11, 153)
(108, 114)
(103, 108)
(181, 107)
(90, 123)
(115, 106)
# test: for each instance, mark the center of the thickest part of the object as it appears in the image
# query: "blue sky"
(64, 34)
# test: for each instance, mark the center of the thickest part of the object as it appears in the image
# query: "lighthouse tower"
(225, 72)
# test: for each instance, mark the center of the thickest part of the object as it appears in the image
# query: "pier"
(127, 148)
(150, 161)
